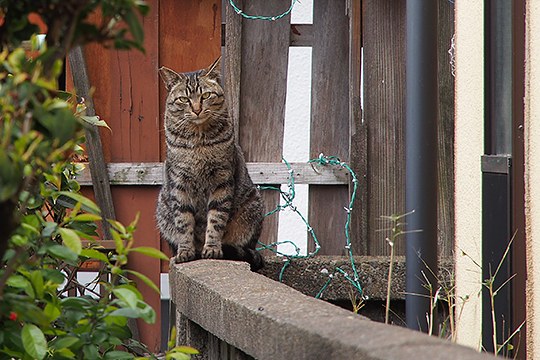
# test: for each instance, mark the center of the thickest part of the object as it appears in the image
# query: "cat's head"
(197, 96)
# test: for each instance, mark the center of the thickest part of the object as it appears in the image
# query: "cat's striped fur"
(208, 206)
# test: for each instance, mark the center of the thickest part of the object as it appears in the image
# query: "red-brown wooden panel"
(189, 39)
(129, 201)
(127, 97)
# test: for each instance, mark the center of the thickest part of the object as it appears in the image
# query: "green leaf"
(172, 338)
(18, 281)
(126, 312)
(51, 311)
(87, 217)
(94, 254)
(146, 312)
(90, 352)
(186, 350)
(64, 342)
(118, 242)
(63, 253)
(94, 121)
(53, 275)
(150, 251)
(127, 296)
(65, 353)
(135, 26)
(177, 356)
(117, 225)
(87, 204)
(145, 279)
(34, 341)
(75, 302)
(49, 229)
(37, 281)
(18, 240)
(71, 240)
(118, 355)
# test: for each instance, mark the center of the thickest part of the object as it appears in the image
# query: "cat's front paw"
(184, 255)
(212, 252)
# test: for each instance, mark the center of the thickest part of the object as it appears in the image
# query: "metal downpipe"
(421, 162)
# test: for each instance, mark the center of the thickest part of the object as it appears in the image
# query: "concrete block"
(270, 320)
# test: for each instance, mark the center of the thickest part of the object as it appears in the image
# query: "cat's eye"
(205, 95)
(183, 99)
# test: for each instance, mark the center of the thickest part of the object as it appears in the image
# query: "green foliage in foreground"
(43, 217)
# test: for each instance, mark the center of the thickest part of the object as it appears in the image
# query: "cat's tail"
(252, 256)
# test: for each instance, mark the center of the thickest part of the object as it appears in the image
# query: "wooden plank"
(189, 38)
(445, 213)
(384, 115)
(98, 167)
(143, 202)
(330, 100)
(263, 83)
(126, 96)
(261, 173)
(232, 64)
(358, 131)
(301, 34)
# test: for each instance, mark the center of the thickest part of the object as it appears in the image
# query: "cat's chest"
(201, 169)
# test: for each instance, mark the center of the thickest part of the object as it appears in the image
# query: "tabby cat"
(208, 206)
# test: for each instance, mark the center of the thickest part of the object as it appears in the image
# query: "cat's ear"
(169, 77)
(214, 70)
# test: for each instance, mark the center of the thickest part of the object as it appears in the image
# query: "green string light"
(260, 17)
(288, 198)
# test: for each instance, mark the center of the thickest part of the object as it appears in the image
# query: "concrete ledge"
(269, 320)
(305, 275)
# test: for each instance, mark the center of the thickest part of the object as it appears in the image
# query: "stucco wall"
(468, 150)
(532, 175)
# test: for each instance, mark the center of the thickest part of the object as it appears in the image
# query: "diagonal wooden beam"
(97, 165)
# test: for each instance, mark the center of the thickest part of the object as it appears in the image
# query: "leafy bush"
(43, 218)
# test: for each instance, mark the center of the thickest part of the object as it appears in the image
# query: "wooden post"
(329, 119)
(97, 164)
(384, 115)
(358, 131)
(256, 77)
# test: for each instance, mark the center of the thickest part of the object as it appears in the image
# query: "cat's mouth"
(198, 120)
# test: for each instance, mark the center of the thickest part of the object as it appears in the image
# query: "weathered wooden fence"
(345, 35)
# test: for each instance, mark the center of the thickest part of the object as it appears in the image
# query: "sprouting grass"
(396, 231)
(446, 292)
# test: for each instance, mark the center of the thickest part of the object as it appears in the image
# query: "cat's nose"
(197, 108)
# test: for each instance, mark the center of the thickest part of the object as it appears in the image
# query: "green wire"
(260, 17)
(288, 198)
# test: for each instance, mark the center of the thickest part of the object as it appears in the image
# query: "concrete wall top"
(269, 320)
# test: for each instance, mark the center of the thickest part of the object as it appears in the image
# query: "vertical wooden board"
(263, 83)
(384, 114)
(232, 63)
(189, 39)
(358, 131)
(126, 95)
(446, 131)
(329, 119)
(143, 201)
